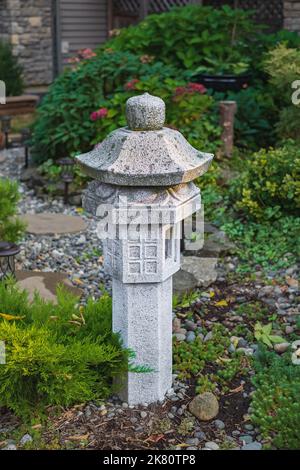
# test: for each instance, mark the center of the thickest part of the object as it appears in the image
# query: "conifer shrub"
(11, 228)
(10, 70)
(57, 354)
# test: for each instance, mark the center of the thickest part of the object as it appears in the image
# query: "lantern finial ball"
(145, 112)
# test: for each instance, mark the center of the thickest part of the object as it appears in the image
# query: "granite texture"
(161, 157)
(143, 190)
(142, 314)
(145, 112)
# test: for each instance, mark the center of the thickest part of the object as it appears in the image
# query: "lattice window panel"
(154, 6)
(269, 12)
(158, 6)
(127, 6)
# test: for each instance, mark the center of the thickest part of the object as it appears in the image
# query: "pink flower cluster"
(86, 53)
(100, 114)
(190, 88)
(131, 84)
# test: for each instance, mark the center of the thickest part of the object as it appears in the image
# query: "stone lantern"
(143, 190)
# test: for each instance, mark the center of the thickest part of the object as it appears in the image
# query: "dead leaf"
(221, 303)
(7, 317)
(36, 426)
(155, 438)
(237, 390)
(83, 437)
(292, 282)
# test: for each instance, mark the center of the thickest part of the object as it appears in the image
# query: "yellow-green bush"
(56, 354)
(270, 183)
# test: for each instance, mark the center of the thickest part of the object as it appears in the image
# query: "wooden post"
(227, 112)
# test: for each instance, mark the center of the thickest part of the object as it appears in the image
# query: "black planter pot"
(223, 82)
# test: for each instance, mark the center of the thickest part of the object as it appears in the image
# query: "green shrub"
(188, 108)
(11, 229)
(256, 117)
(56, 354)
(203, 361)
(270, 183)
(218, 40)
(270, 244)
(275, 402)
(10, 71)
(283, 67)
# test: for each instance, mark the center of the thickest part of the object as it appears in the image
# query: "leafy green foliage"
(56, 354)
(63, 125)
(206, 39)
(11, 228)
(198, 358)
(256, 117)
(275, 403)
(263, 334)
(283, 67)
(10, 71)
(272, 245)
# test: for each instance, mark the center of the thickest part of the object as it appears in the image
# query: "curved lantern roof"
(145, 153)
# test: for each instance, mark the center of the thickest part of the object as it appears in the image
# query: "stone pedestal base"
(142, 314)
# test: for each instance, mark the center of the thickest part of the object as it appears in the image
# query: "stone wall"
(27, 25)
(291, 13)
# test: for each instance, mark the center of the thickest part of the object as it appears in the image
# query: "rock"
(25, 440)
(242, 343)
(45, 283)
(208, 337)
(248, 427)
(289, 330)
(195, 272)
(193, 441)
(246, 351)
(10, 447)
(176, 324)
(246, 439)
(212, 445)
(190, 337)
(190, 325)
(252, 446)
(216, 242)
(204, 406)
(179, 337)
(200, 435)
(81, 241)
(281, 347)
(144, 414)
(219, 424)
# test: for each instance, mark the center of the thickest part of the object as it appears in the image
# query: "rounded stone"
(145, 112)
(204, 406)
(281, 347)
